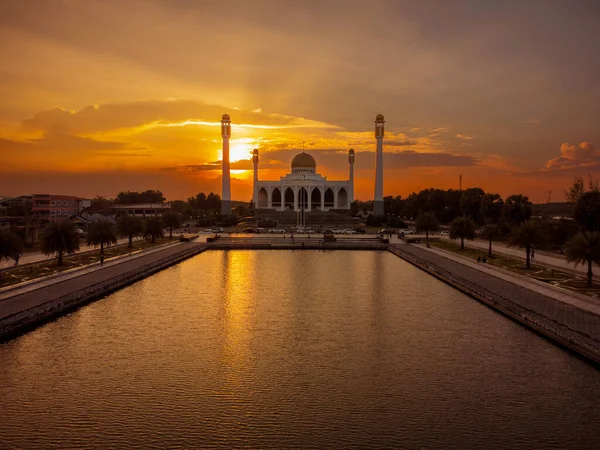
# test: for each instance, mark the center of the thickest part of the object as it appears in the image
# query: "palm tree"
(427, 222)
(584, 247)
(11, 245)
(101, 233)
(130, 226)
(491, 208)
(527, 235)
(60, 238)
(172, 220)
(490, 232)
(154, 228)
(462, 228)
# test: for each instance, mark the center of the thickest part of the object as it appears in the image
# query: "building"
(303, 189)
(142, 209)
(57, 208)
(16, 214)
(225, 179)
(379, 133)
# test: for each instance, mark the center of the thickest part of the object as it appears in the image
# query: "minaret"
(226, 187)
(351, 161)
(378, 204)
(255, 189)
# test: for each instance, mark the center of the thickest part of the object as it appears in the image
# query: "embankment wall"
(73, 295)
(568, 326)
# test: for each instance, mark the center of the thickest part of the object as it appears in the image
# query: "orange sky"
(104, 96)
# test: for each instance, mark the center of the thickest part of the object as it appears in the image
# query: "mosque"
(303, 189)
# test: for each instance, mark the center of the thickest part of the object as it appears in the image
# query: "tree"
(393, 206)
(490, 232)
(149, 196)
(526, 236)
(178, 206)
(471, 204)
(172, 220)
(587, 211)
(577, 189)
(59, 238)
(374, 221)
(582, 248)
(154, 228)
(101, 204)
(198, 202)
(463, 228)
(452, 198)
(491, 208)
(559, 231)
(130, 226)
(427, 222)
(213, 202)
(101, 233)
(517, 209)
(11, 245)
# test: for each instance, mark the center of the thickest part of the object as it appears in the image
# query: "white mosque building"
(303, 188)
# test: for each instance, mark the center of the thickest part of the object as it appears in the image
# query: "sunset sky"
(103, 96)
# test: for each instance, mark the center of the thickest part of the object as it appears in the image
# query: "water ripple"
(269, 349)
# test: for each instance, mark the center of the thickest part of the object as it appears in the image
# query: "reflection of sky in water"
(282, 349)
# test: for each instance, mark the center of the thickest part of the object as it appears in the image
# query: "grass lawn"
(27, 272)
(566, 280)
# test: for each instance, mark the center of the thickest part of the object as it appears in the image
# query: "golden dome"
(379, 117)
(225, 117)
(304, 161)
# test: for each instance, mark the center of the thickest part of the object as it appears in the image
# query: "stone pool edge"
(28, 319)
(560, 334)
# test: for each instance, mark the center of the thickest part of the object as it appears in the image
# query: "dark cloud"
(243, 164)
(408, 159)
(401, 143)
(60, 143)
(125, 154)
(88, 184)
(574, 156)
(338, 158)
(193, 168)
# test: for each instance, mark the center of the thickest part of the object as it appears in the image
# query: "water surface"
(284, 349)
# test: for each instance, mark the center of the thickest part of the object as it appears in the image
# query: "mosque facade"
(303, 188)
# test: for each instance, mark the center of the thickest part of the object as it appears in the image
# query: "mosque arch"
(288, 199)
(329, 198)
(263, 198)
(302, 198)
(342, 198)
(276, 198)
(315, 198)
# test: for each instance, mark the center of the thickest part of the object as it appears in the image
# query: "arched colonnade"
(312, 198)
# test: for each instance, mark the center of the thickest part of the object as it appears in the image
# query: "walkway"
(32, 257)
(543, 258)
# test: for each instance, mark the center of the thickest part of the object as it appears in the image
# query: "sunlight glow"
(241, 149)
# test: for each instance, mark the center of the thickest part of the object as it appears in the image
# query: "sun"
(240, 149)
